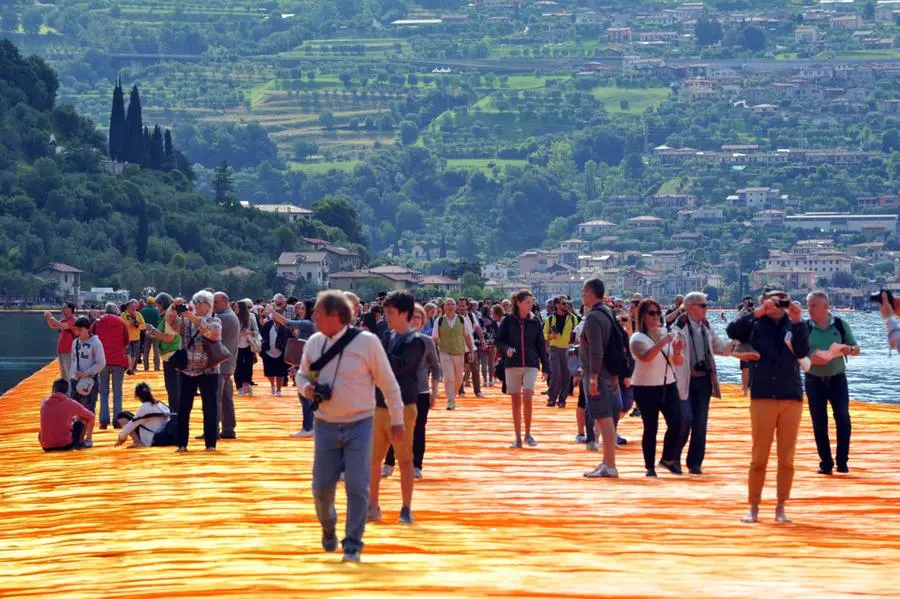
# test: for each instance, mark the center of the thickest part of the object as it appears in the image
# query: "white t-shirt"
(273, 352)
(893, 329)
(148, 425)
(650, 374)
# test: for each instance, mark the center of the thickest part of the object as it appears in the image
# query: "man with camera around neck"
(339, 371)
(697, 378)
(777, 332)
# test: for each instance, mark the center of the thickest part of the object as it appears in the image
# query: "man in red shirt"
(113, 334)
(65, 423)
(66, 336)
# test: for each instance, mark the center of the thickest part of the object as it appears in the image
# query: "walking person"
(274, 342)
(135, 324)
(558, 331)
(340, 369)
(199, 325)
(249, 344)
(471, 361)
(520, 340)
(826, 381)
(66, 336)
(698, 378)
(429, 370)
(598, 345)
(113, 334)
(487, 354)
(453, 337)
(657, 354)
(776, 394)
(406, 352)
(231, 332)
(152, 317)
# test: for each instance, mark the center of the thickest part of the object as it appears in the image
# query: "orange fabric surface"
(490, 521)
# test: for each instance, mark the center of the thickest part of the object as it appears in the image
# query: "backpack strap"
(839, 325)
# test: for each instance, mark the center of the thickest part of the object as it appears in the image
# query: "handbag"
(293, 352)
(254, 340)
(216, 352)
(179, 359)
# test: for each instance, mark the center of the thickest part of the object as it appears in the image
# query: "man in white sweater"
(342, 389)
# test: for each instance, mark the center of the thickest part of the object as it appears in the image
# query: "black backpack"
(615, 358)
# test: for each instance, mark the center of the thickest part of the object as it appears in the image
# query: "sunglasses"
(622, 320)
(704, 306)
(653, 313)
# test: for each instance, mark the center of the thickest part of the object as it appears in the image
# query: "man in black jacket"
(405, 351)
(776, 330)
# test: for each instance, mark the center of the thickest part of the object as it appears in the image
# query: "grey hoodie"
(87, 356)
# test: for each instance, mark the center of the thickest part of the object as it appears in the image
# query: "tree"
(157, 151)
(326, 119)
(304, 148)
(708, 32)
(844, 280)
(287, 239)
(869, 11)
(222, 184)
(133, 147)
(409, 133)
(117, 124)
(346, 79)
(32, 19)
(337, 212)
(412, 79)
(168, 148)
(754, 39)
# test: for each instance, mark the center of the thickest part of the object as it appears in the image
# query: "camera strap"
(335, 350)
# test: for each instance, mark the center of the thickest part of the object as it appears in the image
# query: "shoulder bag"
(179, 359)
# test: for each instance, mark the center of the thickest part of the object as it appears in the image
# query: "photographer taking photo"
(340, 368)
(776, 330)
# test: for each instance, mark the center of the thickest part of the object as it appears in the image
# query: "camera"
(181, 309)
(702, 366)
(783, 303)
(322, 392)
(875, 298)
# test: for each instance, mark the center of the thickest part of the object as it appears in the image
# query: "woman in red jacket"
(113, 334)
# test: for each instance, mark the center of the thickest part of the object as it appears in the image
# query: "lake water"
(874, 376)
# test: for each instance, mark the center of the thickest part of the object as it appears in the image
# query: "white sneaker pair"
(602, 471)
(301, 434)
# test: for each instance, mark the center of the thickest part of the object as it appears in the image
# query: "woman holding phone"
(656, 352)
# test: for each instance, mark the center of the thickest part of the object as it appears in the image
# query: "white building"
(757, 198)
(311, 267)
(445, 284)
(98, 296)
(645, 222)
(806, 35)
(833, 221)
(595, 227)
(668, 261)
(575, 245)
(495, 271)
(886, 9)
(824, 263)
(291, 212)
(68, 278)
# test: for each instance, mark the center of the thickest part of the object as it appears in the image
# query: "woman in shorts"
(520, 340)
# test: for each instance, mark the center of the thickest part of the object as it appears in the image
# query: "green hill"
(59, 203)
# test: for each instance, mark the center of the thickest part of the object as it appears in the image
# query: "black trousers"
(651, 401)
(243, 368)
(171, 378)
(209, 386)
(821, 391)
(423, 404)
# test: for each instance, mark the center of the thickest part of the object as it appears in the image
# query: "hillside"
(135, 229)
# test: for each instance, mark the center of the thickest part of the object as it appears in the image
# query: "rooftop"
(59, 267)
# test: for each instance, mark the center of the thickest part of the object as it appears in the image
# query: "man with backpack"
(826, 381)
(602, 355)
(558, 330)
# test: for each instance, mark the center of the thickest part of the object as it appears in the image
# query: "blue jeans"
(118, 379)
(347, 448)
(308, 414)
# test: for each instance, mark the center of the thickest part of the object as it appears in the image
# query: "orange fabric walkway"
(490, 521)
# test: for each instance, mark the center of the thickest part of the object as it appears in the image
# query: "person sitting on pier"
(65, 423)
(145, 425)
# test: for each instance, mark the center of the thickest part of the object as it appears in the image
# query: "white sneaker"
(273, 390)
(417, 474)
(595, 446)
(374, 514)
(301, 434)
(386, 471)
(602, 471)
(249, 391)
(241, 392)
(278, 393)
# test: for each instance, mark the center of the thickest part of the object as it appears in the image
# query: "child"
(88, 360)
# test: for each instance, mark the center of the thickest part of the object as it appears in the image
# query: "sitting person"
(65, 423)
(144, 426)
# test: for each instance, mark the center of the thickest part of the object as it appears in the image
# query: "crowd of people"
(368, 375)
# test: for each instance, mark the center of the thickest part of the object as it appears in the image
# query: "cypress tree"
(145, 148)
(156, 149)
(168, 144)
(134, 136)
(117, 124)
